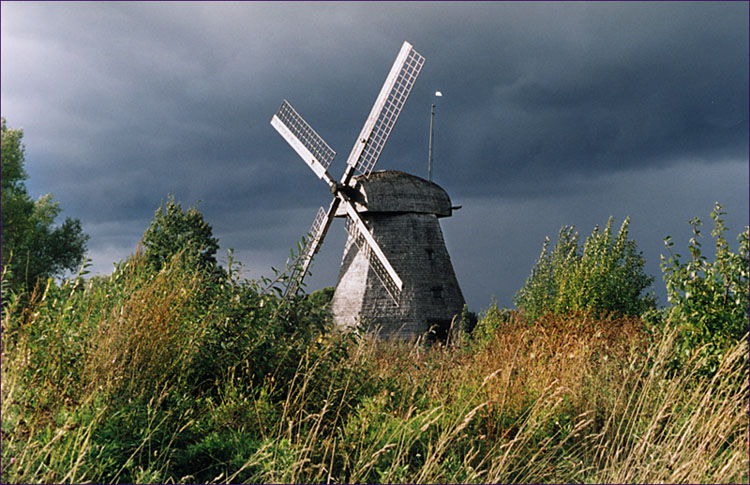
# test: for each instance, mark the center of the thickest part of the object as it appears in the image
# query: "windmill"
(369, 287)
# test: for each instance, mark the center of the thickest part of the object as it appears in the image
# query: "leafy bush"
(174, 230)
(485, 329)
(709, 299)
(605, 277)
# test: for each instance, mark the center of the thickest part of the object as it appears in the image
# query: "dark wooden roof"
(394, 191)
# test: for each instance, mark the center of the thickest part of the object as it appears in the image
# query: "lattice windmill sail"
(349, 191)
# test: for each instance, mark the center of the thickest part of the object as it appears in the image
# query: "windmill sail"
(317, 233)
(378, 261)
(304, 140)
(356, 237)
(387, 108)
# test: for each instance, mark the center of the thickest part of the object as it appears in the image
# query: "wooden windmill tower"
(396, 273)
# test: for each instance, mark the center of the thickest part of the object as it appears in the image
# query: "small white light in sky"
(438, 93)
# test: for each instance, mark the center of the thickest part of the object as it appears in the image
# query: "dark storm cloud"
(581, 89)
(124, 103)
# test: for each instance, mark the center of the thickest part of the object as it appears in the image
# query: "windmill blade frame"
(310, 146)
(365, 241)
(304, 258)
(358, 239)
(385, 111)
(317, 234)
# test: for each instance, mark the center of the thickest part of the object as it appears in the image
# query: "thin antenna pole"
(429, 150)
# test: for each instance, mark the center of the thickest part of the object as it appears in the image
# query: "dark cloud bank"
(553, 114)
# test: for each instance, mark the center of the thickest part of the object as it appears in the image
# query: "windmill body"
(401, 211)
(396, 272)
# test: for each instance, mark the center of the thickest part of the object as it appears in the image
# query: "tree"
(174, 230)
(606, 277)
(32, 247)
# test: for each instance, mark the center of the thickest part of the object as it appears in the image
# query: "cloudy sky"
(553, 114)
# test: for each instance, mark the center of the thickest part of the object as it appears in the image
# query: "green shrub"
(488, 325)
(174, 230)
(605, 277)
(467, 322)
(709, 299)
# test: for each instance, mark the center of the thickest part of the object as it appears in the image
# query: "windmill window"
(430, 254)
(437, 292)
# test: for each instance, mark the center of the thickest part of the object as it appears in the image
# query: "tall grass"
(172, 377)
(679, 429)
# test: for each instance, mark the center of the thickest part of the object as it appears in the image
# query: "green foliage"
(709, 299)
(321, 299)
(183, 375)
(173, 231)
(32, 247)
(174, 358)
(489, 325)
(466, 324)
(17, 205)
(605, 277)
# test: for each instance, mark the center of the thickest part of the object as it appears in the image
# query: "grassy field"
(180, 376)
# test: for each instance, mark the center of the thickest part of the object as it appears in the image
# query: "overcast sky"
(553, 114)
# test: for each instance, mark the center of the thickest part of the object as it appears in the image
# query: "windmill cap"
(394, 191)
